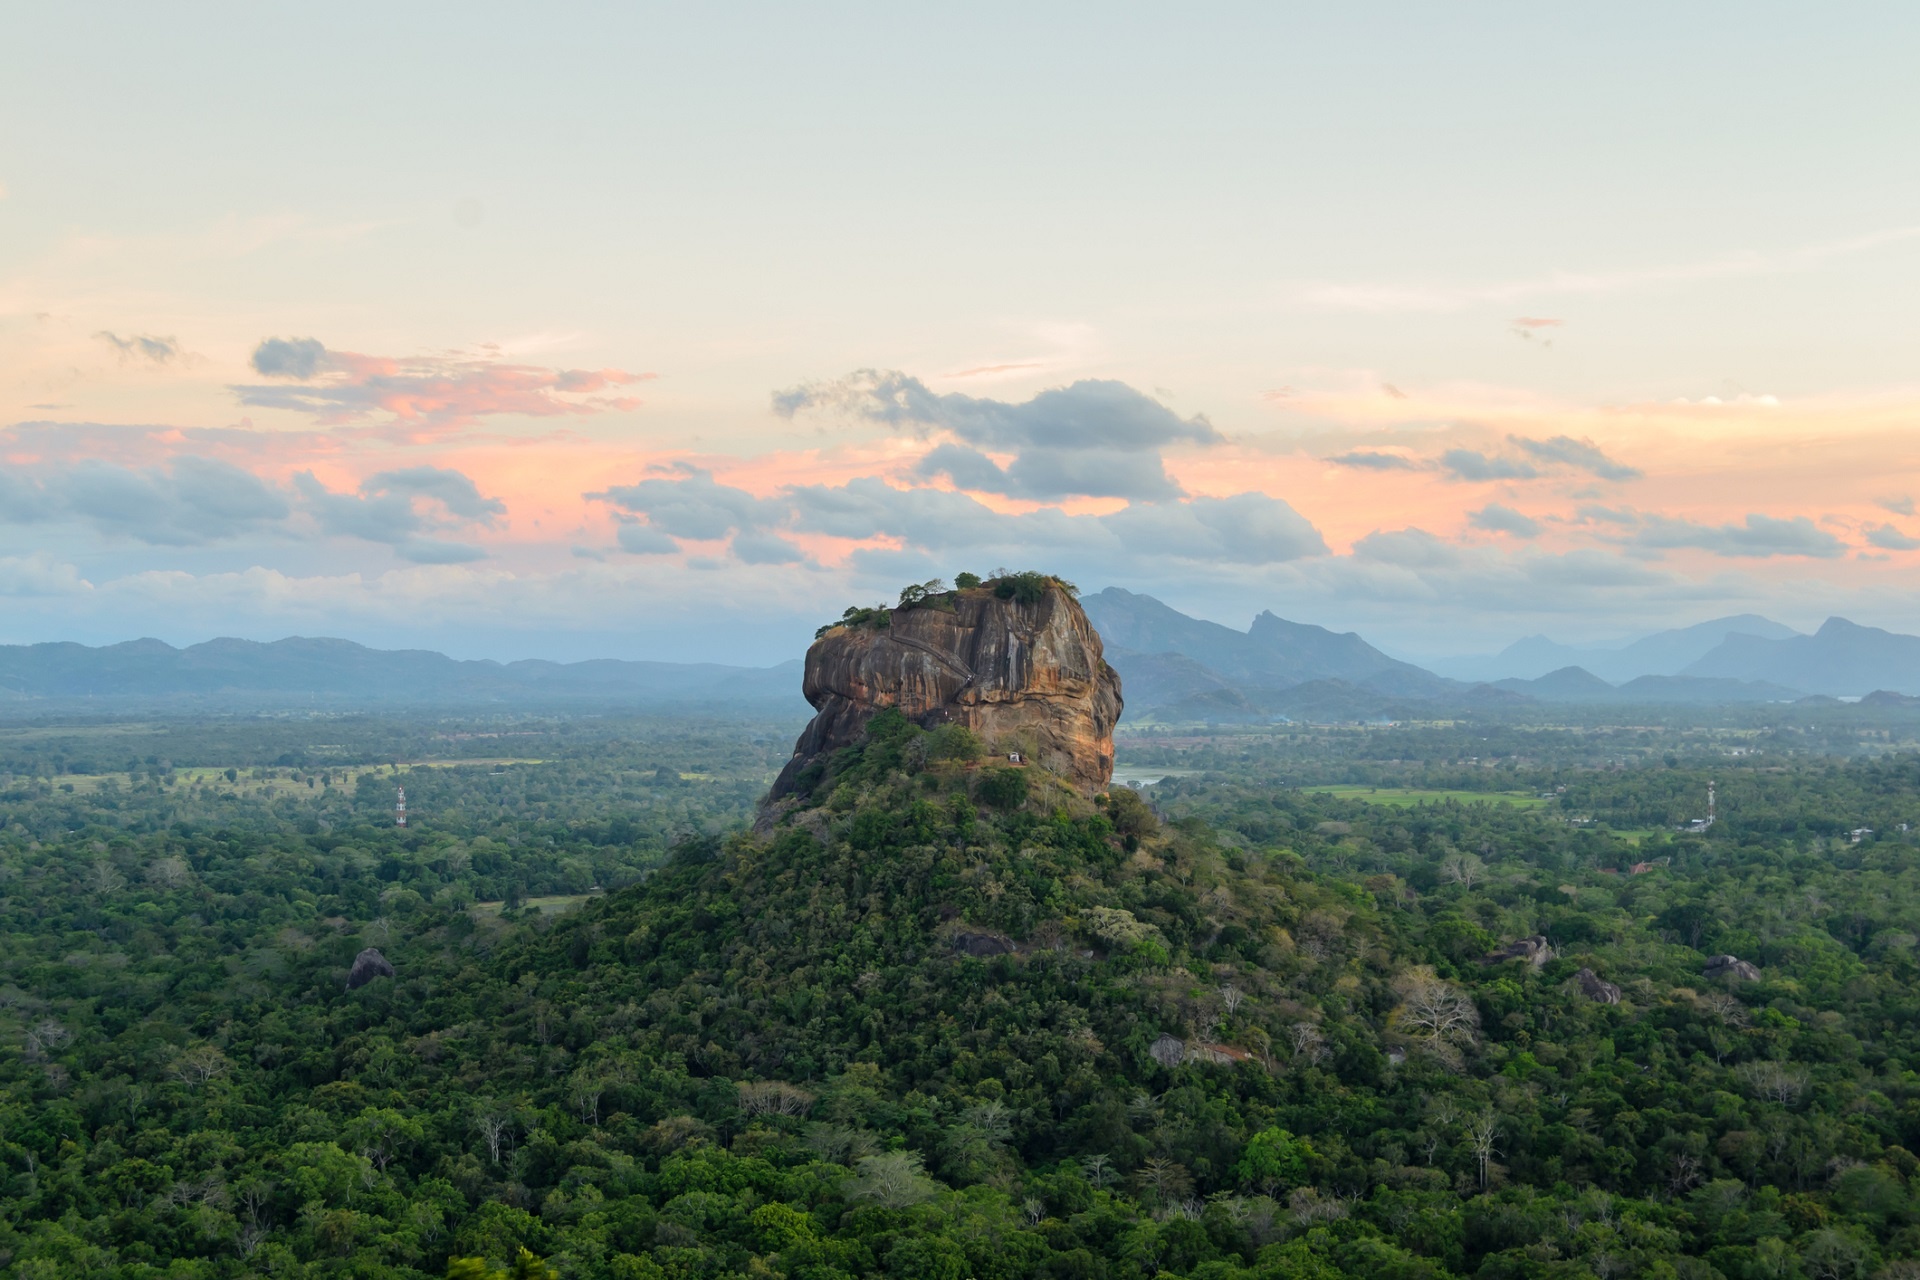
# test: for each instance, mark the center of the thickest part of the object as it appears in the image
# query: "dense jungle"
(1405, 1001)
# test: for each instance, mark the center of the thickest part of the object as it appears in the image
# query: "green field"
(1403, 797)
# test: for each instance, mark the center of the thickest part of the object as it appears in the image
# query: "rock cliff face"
(1018, 674)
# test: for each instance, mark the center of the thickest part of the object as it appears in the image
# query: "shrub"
(1003, 788)
(915, 594)
(876, 616)
(1130, 815)
(954, 742)
(965, 581)
(1022, 588)
(1273, 1159)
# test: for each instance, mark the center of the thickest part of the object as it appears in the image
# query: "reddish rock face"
(1025, 677)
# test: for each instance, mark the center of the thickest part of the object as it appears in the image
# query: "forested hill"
(948, 1019)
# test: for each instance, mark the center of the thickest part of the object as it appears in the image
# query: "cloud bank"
(1095, 438)
(340, 387)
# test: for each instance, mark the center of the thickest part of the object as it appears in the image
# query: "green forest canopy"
(919, 1032)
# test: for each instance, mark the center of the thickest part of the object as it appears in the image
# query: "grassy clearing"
(1405, 797)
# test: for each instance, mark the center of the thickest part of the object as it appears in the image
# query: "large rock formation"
(1023, 675)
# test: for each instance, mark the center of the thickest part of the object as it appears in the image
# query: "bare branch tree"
(169, 873)
(991, 1118)
(493, 1126)
(1481, 1132)
(1773, 1082)
(773, 1098)
(1435, 1015)
(200, 1064)
(1463, 869)
(893, 1179)
(1309, 1043)
(1168, 1181)
(44, 1036)
(102, 879)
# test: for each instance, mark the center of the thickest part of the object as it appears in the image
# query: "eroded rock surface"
(1534, 951)
(367, 966)
(1732, 968)
(1597, 988)
(1024, 676)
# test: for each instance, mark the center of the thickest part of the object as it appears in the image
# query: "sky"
(668, 332)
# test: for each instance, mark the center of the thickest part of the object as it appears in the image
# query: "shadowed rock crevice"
(1026, 675)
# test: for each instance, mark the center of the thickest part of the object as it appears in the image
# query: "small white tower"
(400, 809)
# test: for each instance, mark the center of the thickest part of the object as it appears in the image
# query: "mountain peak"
(1841, 658)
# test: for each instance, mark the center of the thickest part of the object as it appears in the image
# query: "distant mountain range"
(1841, 659)
(1577, 684)
(1191, 656)
(228, 671)
(1176, 668)
(1665, 653)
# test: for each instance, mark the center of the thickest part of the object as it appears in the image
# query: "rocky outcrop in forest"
(367, 966)
(1014, 660)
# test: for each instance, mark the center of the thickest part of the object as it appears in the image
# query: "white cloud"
(40, 575)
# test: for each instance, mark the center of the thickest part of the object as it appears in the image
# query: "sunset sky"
(668, 332)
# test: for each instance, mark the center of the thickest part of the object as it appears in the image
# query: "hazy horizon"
(588, 646)
(668, 334)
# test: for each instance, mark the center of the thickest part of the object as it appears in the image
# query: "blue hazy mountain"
(1272, 653)
(1664, 653)
(340, 671)
(1174, 667)
(1178, 668)
(1842, 659)
(1577, 684)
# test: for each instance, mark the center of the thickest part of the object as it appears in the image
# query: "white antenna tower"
(1709, 802)
(400, 809)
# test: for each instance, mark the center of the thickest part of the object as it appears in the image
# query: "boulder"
(1732, 968)
(1534, 951)
(1028, 672)
(983, 944)
(367, 966)
(1596, 988)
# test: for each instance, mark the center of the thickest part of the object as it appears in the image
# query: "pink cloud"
(424, 392)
